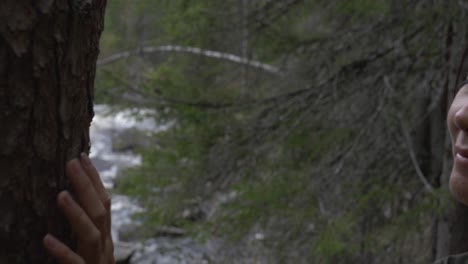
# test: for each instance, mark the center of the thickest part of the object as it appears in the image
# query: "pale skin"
(457, 121)
(89, 217)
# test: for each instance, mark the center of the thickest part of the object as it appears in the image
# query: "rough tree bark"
(48, 53)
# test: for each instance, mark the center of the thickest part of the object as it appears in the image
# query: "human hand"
(89, 217)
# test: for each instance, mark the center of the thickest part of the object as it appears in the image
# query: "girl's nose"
(461, 118)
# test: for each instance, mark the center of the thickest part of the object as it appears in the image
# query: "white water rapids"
(161, 250)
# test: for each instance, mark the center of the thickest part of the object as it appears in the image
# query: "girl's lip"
(461, 156)
(462, 151)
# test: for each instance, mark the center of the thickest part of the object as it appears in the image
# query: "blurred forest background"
(297, 131)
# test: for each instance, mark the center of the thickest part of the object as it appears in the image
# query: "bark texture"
(48, 53)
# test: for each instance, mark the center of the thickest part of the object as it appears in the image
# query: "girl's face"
(457, 120)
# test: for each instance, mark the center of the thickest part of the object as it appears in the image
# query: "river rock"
(130, 139)
(169, 231)
(123, 252)
(133, 233)
(101, 164)
(130, 232)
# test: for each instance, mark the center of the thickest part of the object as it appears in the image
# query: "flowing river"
(161, 250)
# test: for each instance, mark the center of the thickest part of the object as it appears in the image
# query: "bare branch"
(273, 10)
(191, 50)
(463, 4)
(409, 146)
(419, 172)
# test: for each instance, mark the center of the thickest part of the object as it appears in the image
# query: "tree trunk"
(48, 52)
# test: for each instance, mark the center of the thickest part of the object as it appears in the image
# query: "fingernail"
(74, 166)
(65, 198)
(85, 158)
(50, 241)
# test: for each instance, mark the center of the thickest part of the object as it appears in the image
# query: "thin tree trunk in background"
(244, 13)
(438, 153)
(458, 229)
(442, 233)
(48, 51)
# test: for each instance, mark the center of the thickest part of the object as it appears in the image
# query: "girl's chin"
(459, 186)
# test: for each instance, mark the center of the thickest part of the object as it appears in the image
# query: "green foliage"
(317, 146)
(172, 170)
(333, 241)
(364, 8)
(258, 201)
(190, 22)
(279, 186)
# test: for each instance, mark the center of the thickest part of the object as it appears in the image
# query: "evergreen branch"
(147, 97)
